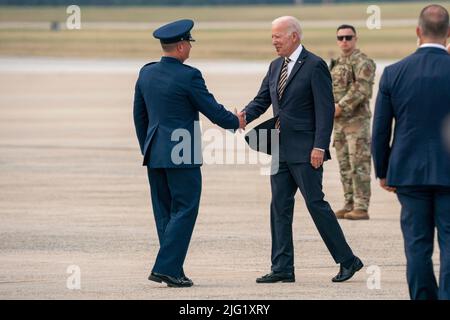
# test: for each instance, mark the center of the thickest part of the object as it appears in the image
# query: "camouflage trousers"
(352, 144)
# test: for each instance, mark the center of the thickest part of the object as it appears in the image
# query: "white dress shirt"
(430, 45)
(294, 56)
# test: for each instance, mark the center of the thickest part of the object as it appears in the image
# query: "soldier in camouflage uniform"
(353, 75)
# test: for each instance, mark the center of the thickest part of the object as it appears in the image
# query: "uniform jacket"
(168, 98)
(353, 78)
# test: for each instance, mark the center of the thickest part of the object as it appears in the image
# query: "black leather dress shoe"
(184, 277)
(345, 274)
(171, 281)
(277, 277)
(187, 279)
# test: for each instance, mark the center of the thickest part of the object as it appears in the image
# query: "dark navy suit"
(416, 93)
(306, 112)
(168, 98)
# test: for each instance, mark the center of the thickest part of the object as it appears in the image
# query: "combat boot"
(357, 214)
(340, 214)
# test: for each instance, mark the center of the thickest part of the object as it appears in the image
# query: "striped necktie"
(283, 77)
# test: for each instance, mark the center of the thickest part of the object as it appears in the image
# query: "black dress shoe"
(170, 281)
(345, 274)
(277, 277)
(187, 279)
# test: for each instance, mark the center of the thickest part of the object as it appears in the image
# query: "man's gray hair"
(292, 23)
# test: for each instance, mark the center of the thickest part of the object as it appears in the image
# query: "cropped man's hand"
(317, 158)
(242, 119)
(385, 187)
(337, 110)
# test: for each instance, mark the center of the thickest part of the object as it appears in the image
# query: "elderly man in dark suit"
(298, 86)
(168, 98)
(416, 93)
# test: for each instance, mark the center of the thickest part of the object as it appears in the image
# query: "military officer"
(353, 76)
(168, 98)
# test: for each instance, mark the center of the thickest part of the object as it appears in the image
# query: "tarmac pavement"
(74, 201)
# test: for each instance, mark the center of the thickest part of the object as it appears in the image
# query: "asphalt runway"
(75, 208)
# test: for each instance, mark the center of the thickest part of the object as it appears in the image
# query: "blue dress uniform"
(168, 98)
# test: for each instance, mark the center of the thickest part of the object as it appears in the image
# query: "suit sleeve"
(205, 102)
(321, 85)
(261, 102)
(382, 128)
(140, 116)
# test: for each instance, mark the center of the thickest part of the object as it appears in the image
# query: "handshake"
(242, 119)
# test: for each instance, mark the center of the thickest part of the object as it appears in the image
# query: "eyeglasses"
(348, 38)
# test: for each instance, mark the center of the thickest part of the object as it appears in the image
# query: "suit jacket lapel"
(298, 64)
(277, 70)
(275, 75)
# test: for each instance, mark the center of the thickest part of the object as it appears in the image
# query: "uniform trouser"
(175, 197)
(352, 143)
(423, 210)
(284, 184)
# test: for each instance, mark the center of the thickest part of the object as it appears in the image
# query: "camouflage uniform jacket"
(353, 78)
